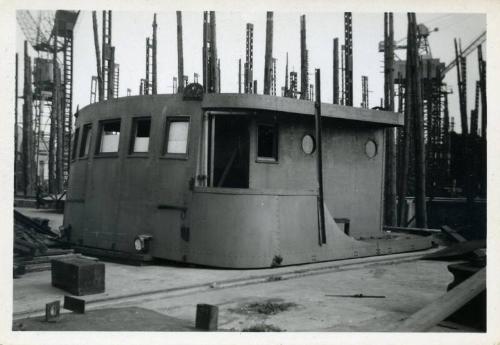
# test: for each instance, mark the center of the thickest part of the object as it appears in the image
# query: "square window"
(267, 142)
(177, 136)
(110, 136)
(75, 143)
(140, 135)
(86, 139)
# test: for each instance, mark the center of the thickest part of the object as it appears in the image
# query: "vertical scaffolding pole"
(93, 89)
(390, 133)
(98, 57)
(304, 77)
(57, 118)
(248, 77)
(213, 54)
(364, 92)
(60, 133)
(180, 54)
(287, 92)
(348, 59)
(474, 112)
(67, 103)
(205, 51)
(218, 75)
(52, 132)
(319, 159)
(111, 74)
(239, 75)
(408, 114)
(273, 78)
(446, 134)
(147, 82)
(482, 83)
(483, 145)
(27, 144)
(268, 68)
(463, 110)
(420, 202)
(342, 75)
(335, 70)
(107, 68)
(16, 125)
(154, 48)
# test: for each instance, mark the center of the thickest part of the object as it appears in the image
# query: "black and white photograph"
(229, 173)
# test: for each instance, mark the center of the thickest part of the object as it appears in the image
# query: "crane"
(51, 33)
(469, 49)
(38, 32)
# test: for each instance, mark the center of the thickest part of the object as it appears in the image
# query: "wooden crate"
(78, 276)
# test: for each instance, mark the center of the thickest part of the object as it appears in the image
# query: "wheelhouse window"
(140, 135)
(267, 142)
(75, 143)
(86, 140)
(109, 136)
(176, 139)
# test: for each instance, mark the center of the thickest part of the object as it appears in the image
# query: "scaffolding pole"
(319, 159)
(248, 77)
(335, 70)
(27, 143)
(268, 58)
(154, 52)
(304, 77)
(98, 57)
(348, 59)
(180, 54)
(390, 191)
(239, 75)
(16, 124)
(213, 54)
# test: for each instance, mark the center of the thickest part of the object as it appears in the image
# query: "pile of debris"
(36, 244)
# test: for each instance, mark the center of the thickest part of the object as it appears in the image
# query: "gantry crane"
(51, 36)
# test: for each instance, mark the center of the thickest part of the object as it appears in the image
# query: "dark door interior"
(231, 151)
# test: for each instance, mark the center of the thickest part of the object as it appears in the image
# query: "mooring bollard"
(207, 317)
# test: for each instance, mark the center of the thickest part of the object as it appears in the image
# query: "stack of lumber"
(31, 237)
(36, 244)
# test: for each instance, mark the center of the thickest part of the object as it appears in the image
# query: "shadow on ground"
(110, 319)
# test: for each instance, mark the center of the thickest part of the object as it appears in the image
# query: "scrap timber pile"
(35, 244)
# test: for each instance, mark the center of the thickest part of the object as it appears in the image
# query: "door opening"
(230, 151)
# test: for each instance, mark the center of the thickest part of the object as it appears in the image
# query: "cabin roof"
(290, 106)
(296, 106)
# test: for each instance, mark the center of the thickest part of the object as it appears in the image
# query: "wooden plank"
(417, 231)
(444, 306)
(457, 251)
(452, 233)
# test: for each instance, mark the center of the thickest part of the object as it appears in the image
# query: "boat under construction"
(229, 180)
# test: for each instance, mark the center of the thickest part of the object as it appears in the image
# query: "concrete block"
(207, 317)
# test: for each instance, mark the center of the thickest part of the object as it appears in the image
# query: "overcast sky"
(130, 30)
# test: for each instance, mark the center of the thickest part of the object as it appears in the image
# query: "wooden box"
(78, 276)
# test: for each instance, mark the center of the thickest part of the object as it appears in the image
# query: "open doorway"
(230, 151)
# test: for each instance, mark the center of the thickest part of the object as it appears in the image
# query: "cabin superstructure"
(229, 180)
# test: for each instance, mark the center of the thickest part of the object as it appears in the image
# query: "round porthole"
(308, 144)
(371, 149)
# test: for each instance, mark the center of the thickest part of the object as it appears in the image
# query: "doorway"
(230, 151)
